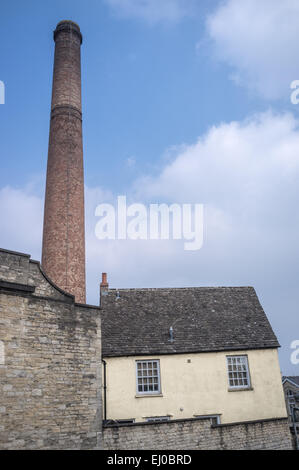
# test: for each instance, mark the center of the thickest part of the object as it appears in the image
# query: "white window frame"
(151, 392)
(158, 419)
(244, 358)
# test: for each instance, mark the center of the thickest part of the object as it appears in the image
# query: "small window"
(290, 398)
(148, 377)
(215, 419)
(238, 373)
(126, 421)
(157, 419)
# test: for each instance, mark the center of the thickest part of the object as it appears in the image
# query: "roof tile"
(137, 321)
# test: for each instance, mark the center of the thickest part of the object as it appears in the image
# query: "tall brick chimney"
(63, 252)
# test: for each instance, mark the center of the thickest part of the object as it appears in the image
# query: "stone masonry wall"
(195, 434)
(50, 372)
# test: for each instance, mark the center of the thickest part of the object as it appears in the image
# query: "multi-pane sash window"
(238, 373)
(148, 377)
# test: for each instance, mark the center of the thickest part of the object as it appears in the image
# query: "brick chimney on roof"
(104, 286)
(63, 252)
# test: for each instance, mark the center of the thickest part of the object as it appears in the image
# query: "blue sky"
(185, 102)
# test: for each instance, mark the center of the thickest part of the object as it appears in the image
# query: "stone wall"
(50, 370)
(195, 434)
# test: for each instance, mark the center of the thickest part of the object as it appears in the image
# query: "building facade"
(189, 353)
(50, 362)
(291, 392)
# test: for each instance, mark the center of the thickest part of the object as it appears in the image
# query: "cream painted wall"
(197, 388)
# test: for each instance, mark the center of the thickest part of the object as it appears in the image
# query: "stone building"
(51, 380)
(50, 362)
(291, 392)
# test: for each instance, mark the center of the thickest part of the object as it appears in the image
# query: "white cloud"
(258, 39)
(246, 174)
(152, 11)
(236, 158)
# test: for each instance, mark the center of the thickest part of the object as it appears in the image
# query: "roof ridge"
(126, 289)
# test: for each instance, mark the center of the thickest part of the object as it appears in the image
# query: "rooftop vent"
(171, 339)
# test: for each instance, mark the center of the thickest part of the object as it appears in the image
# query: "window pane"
(149, 371)
(237, 368)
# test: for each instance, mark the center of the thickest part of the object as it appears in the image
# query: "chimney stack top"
(104, 280)
(68, 26)
(104, 286)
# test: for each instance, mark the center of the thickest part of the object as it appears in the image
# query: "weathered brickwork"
(196, 434)
(50, 378)
(63, 254)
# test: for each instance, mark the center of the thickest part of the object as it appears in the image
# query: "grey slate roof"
(292, 378)
(203, 319)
